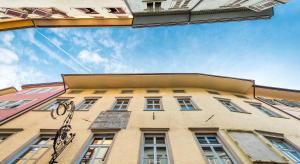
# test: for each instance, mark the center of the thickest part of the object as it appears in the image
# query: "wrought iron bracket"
(63, 135)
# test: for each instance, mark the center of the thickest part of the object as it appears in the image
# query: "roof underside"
(279, 93)
(137, 13)
(87, 81)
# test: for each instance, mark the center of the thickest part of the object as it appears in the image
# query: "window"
(268, 101)
(231, 106)
(265, 110)
(121, 104)
(55, 104)
(99, 91)
(153, 104)
(242, 96)
(127, 91)
(34, 151)
(86, 104)
(98, 149)
(213, 149)
(285, 148)
(153, 91)
(214, 92)
(178, 91)
(39, 90)
(117, 10)
(154, 6)
(180, 5)
(154, 149)
(4, 136)
(75, 91)
(186, 103)
(289, 103)
(88, 10)
(13, 104)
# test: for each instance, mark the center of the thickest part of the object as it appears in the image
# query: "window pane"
(89, 154)
(107, 141)
(149, 140)
(160, 140)
(97, 141)
(39, 153)
(207, 150)
(202, 140)
(148, 155)
(212, 140)
(98, 149)
(162, 157)
(157, 107)
(98, 161)
(101, 152)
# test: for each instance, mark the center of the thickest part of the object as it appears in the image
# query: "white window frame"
(220, 144)
(232, 105)
(265, 110)
(33, 144)
(9, 104)
(82, 106)
(153, 104)
(153, 8)
(50, 106)
(40, 90)
(189, 98)
(89, 144)
(286, 152)
(120, 108)
(154, 145)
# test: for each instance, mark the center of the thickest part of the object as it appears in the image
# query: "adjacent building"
(14, 103)
(159, 119)
(135, 13)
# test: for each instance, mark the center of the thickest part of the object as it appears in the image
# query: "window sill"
(279, 117)
(153, 110)
(190, 110)
(242, 112)
(117, 110)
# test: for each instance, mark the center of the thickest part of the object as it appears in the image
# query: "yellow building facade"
(159, 119)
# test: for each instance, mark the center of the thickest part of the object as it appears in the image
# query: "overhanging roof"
(158, 80)
(8, 90)
(274, 92)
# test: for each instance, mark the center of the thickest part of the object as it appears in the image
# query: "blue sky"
(267, 51)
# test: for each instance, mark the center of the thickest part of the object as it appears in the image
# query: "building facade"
(136, 13)
(158, 119)
(13, 103)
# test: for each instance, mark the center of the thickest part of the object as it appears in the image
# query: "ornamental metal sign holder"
(63, 135)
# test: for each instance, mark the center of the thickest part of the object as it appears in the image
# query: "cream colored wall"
(126, 146)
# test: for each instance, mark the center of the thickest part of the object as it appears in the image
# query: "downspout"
(254, 89)
(62, 76)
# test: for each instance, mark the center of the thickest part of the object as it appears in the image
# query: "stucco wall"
(126, 146)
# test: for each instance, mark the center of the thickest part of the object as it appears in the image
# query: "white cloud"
(91, 57)
(59, 58)
(7, 38)
(17, 75)
(7, 56)
(56, 42)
